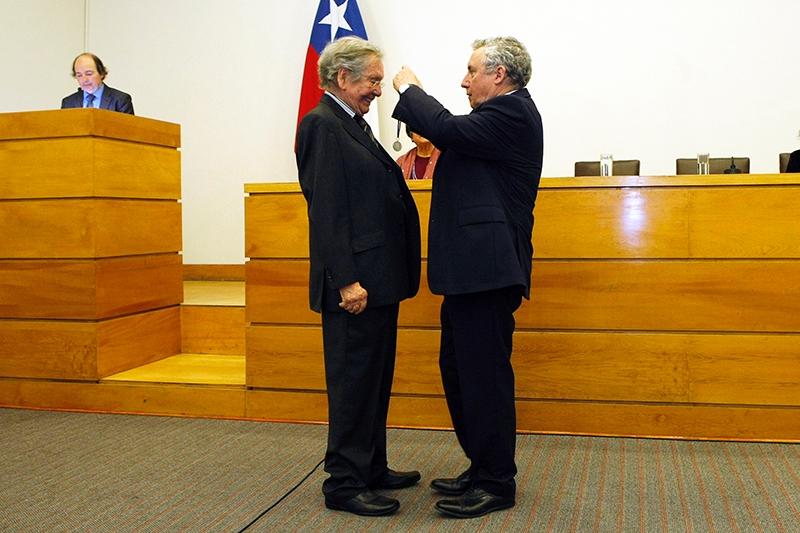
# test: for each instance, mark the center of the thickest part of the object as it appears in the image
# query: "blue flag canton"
(334, 20)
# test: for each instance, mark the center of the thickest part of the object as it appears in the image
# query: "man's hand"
(406, 75)
(354, 298)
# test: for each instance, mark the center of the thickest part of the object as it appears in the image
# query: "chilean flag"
(334, 19)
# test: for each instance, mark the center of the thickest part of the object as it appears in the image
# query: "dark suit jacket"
(484, 190)
(794, 162)
(363, 223)
(112, 99)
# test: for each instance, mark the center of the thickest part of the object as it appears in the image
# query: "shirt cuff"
(403, 88)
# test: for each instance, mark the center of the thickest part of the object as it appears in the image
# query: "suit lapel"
(77, 98)
(105, 103)
(353, 129)
(108, 98)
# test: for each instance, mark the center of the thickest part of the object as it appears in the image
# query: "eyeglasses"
(374, 84)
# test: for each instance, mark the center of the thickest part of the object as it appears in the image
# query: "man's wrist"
(403, 88)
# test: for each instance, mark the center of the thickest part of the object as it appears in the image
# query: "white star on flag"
(335, 18)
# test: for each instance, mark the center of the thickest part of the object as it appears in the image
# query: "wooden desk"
(662, 306)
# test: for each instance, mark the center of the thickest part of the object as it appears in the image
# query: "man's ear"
(341, 77)
(500, 74)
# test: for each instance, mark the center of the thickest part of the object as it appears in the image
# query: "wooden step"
(187, 369)
(212, 317)
(87, 350)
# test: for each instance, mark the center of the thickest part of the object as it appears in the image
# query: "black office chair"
(716, 165)
(783, 162)
(623, 167)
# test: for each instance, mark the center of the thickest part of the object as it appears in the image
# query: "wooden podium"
(90, 235)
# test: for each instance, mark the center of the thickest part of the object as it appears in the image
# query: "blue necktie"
(89, 100)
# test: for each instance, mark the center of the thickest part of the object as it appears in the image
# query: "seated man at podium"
(89, 71)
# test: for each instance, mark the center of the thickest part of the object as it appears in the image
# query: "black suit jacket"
(113, 99)
(363, 223)
(484, 190)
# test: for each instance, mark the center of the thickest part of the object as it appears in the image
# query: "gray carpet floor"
(93, 472)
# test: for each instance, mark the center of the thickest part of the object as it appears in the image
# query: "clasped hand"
(354, 298)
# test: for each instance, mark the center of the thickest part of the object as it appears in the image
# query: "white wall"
(38, 41)
(229, 72)
(646, 80)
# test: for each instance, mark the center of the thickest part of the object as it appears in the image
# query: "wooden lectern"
(90, 235)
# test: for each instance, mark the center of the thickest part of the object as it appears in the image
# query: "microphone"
(732, 169)
(397, 145)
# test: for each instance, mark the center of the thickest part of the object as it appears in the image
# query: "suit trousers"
(478, 379)
(359, 367)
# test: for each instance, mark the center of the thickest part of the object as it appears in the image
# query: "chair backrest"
(783, 161)
(623, 167)
(716, 165)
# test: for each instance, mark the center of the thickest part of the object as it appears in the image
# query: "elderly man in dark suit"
(479, 257)
(365, 258)
(90, 73)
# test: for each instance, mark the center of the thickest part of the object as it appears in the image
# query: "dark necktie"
(364, 126)
(89, 100)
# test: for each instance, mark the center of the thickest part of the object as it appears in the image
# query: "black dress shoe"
(392, 479)
(476, 502)
(453, 486)
(366, 503)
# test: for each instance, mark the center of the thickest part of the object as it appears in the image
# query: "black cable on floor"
(268, 509)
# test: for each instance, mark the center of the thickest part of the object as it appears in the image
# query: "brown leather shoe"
(366, 503)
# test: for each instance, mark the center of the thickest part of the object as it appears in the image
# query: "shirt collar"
(341, 104)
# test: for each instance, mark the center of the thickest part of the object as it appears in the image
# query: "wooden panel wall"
(121, 397)
(207, 329)
(686, 220)
(90, 271)
(591, 294)
(661, 307)
(89, 289)
(89, 228)
(87, 349)
(58, 168)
